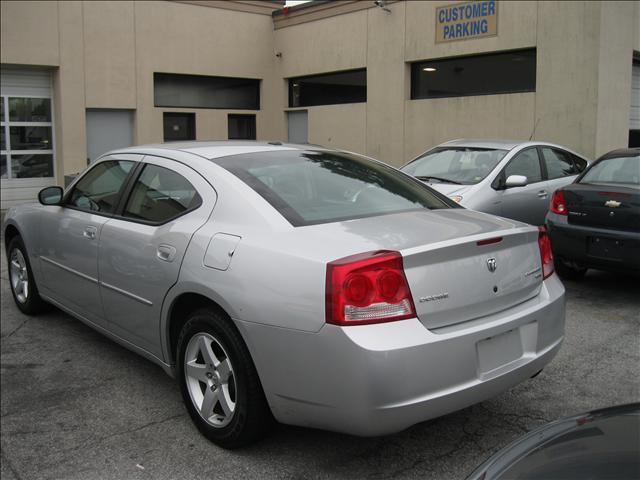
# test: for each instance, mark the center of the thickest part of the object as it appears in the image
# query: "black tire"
(569, 272)
(252, 418)
(32, 304)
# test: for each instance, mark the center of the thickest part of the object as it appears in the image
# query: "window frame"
(257, 86)
(130, 185)
(236, 116)
(6, 125)
(188, 115)
(67, 195)
(291, 81)
(416, 67)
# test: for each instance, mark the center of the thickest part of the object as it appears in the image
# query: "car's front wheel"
(219, 383)
(23, 286)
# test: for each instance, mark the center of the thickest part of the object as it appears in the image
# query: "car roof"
(217, 149)
(496, 143)
(621, 152)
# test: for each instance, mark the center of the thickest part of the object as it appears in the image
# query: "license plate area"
(498, 351)
(603, 247)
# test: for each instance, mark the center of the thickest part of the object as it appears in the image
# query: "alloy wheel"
(210, 380)
(19, 275)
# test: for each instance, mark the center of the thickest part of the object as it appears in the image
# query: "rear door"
(69, 260)
(141, 249)
(529, 203)
(560, 167)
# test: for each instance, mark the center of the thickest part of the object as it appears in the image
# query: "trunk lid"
(463, 280)
(603, 206)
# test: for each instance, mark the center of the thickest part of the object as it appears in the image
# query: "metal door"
(108, 130)
(298, 126)
(140, 261)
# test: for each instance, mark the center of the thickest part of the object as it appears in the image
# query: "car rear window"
(622, 170)
(310, 187)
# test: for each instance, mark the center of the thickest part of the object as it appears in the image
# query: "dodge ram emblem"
(491, 264)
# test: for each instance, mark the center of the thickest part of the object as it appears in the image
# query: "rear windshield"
(458, 165)
(623, 170)
(311, 187)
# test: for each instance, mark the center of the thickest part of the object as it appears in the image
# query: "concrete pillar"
(69, 96)
(386, 83)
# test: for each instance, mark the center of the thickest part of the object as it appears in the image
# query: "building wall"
(581, 47)
(103, 55)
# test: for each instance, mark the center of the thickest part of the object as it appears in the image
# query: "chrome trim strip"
(127, 294)
(70, 270)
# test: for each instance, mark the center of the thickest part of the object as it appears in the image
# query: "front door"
(69, 260)
(141, 249)
(529, 203)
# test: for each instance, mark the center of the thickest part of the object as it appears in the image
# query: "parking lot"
(76, 405)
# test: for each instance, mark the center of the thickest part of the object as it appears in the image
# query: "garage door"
(27, 159)
(634, 121)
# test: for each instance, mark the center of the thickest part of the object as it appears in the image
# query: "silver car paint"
(527, 204)
(367, 380)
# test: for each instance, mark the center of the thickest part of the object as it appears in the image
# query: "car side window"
(558, 163)
(525, 163)
(99, 190)
(580, 163)
(160, 195)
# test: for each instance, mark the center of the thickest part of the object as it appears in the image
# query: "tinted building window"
(242, 127)
(506, 72)
(328, 89)
(198, 91)
(179, 126)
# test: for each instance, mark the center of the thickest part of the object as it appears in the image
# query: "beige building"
(389, 80)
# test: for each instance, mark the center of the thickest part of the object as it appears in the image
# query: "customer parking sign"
(462, 21)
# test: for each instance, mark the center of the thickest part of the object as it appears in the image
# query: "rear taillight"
(545, 252)
(368, 288)
(558, 205)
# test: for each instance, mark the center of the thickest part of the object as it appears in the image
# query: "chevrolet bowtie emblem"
(612, 204)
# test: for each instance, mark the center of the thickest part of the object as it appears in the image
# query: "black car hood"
(602, 444)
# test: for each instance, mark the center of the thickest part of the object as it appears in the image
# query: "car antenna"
(534, 129)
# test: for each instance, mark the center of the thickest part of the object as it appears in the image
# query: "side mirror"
(50, 196)
(516, 181)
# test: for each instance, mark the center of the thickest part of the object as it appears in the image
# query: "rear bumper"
(378, 379)
(571, 242)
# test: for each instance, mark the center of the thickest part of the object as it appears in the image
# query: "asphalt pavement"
(75, 405)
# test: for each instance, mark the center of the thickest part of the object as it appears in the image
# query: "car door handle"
(90, 233)
(166, 253)
(543, 194)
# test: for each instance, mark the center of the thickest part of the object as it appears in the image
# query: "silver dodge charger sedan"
(291, 282)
